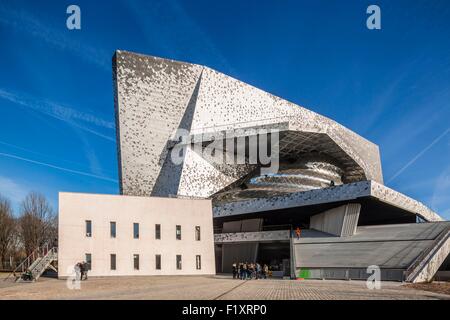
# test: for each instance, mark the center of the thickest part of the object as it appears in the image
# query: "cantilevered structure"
(328, 181)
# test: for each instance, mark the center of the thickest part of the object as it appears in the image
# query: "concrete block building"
(327, 181)
(132, 236)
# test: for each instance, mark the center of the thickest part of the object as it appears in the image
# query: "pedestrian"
(81, 271)
(265, 271)
(249, 271)
(298, 232)
(84, 270)
(244, 271)
(258, 271)
(234, 270)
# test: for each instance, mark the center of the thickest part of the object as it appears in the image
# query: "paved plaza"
(209, 288)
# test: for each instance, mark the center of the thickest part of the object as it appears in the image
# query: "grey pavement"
(209, 288)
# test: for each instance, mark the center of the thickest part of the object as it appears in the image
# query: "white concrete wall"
(75, 209)
(341, 221)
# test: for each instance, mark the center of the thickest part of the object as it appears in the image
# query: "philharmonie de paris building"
(214, 171)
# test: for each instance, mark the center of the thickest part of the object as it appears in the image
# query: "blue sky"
(391, 85)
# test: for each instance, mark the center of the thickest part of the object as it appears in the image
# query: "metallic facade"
(155, 97)
(324, 170)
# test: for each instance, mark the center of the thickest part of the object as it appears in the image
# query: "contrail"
(59, 112)
(46, 155)
(419, 155)
(24, 22)
(58, 168)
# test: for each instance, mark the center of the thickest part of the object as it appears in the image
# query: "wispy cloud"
(441, 196)
(49, 165)
(12, 190)
(52, 158)
(25, 22)
(63, 113)
(417, 156)
(91, 156)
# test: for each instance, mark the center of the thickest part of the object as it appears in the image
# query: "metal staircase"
(37, 262)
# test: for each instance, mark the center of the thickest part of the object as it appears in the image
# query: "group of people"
(81, 270)
(245, 270)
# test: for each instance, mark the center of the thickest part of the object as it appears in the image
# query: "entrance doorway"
(276, 256)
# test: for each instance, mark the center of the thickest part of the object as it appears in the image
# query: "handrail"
(42, 264)
(277, 227)
(28, 261)
(432, 248)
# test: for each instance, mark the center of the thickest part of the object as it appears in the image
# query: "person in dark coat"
(84, 270)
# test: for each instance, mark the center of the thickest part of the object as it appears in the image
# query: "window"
(136, 230)
(178, 261)
(112, 225)
(178, 232)
(197, 233)
(157, 231)
(198, 262)
(136, 261)
(88, 261)
(88, 228)
(113, 261)
(158, 262)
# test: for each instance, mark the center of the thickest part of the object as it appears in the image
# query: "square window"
(88, 228)
(158, 262)
(157, 231)
(136, 230)
(113, 261)
(197, 233)
(178, 261)
(88, 260)
(112, 225)
(178, 232)
(136, 261)
(198, 262)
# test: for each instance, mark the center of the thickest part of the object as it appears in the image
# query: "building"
(126, 235)
(268, 166)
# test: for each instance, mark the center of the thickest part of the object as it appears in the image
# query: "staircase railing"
(42, 264)
(38, 253)
(425, 256)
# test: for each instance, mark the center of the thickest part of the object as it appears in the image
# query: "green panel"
(303, 273)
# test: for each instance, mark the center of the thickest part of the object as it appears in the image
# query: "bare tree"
(37, 222)
(7, 230)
